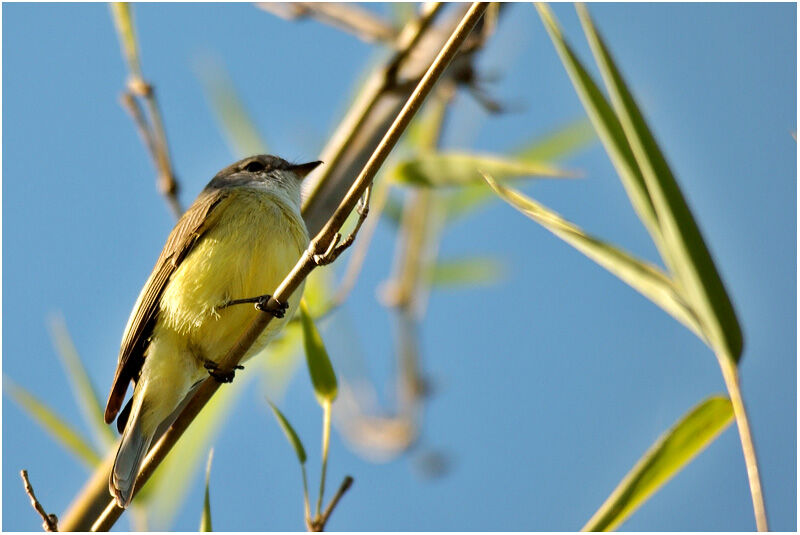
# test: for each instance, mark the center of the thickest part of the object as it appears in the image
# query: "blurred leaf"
(466, 272)
(234, 120)
(85, 394)
(291, 436)
(691, 262)
(323, 377)
(53, 424)
(123, 21)
(641, 276)
(393, 210)
(608, 129)
(562, 143)
(205, 519)
(671, 452)
(458, 169)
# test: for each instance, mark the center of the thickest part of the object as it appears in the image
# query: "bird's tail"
(132, 449)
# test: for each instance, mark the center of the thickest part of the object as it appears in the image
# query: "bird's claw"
(219, 375)
(278, 310)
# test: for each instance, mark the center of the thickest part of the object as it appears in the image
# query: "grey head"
(265, 172)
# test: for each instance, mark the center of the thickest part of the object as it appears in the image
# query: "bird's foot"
(219, 375)
(264, 303)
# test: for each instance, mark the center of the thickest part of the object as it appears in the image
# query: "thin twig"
(359, 253)
(151, 129)
(336, 248)
(49, 521)
(300, 271)
(348, 17)
(319, 523)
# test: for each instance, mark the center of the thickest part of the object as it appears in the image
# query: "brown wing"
(187, 231)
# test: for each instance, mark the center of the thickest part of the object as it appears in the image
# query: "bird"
(234, 244)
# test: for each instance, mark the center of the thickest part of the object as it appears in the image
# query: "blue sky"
(548, 386)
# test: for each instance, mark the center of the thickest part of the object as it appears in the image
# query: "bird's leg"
(264, 303)
(218, 375)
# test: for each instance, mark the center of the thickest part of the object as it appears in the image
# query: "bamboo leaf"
(234, 120)
(690, 258)
(291, 436)
(641, 276)
(457, 169)
(55, 426)
(323, 377)
(466, 272)
(559, 144)
(205, 519)
(608, 128)
(670, 453)
(554, 146)
(393, 210)
(85, 394)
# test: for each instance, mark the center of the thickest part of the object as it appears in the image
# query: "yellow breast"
(253, 244)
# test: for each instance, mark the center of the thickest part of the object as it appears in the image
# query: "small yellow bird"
(238, 240)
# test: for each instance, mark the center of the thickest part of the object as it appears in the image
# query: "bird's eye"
(255, 167)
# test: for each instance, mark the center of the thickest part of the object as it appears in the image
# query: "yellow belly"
(247, 253)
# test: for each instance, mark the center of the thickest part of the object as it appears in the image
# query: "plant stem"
(305, 494)
(326, 437)
(731, 376)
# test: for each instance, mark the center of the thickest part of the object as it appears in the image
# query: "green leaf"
(393, 210)
(553, 146)
(234, 119)
(319, 365)
(608, 129)
(671, 452)
(466, 272)
(561, 143)
(457, 169)
(85, 394)
(641, 276)
(689, 256)
(53, 424)
(205, 519)
(291, 436)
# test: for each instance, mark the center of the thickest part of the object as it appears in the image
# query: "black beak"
(303, 169)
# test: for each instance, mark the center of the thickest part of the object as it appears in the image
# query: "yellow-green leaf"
(205, 519)
(608, 129)
(553, 146)
(291, 436)
(458, 169)
(234, 120)
(671, 452)
(466, 272)
(53, 424)
(85, 394)
(640, 275)
(688, 255)
(323, 377)
(556, 145)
